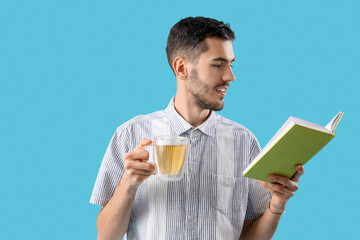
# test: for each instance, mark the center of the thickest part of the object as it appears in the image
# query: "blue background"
(72, 71)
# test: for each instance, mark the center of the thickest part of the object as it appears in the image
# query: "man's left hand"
(282, 189)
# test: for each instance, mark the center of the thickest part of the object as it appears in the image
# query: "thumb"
(143, 143)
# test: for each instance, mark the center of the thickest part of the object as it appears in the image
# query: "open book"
(296, 142)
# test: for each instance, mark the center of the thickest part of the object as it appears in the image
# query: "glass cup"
(170, 154)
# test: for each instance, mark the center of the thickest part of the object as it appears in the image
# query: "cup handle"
(150, 149)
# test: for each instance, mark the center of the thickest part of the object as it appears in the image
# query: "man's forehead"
(219, 49)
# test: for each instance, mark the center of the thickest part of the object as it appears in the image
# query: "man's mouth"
(222, 90)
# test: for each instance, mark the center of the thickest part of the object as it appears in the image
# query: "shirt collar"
(180, 125)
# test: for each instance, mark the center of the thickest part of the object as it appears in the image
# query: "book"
(296, 142)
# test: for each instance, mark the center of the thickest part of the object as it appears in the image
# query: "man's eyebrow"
(222, 59)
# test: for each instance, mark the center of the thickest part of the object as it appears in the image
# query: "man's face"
(210, 77)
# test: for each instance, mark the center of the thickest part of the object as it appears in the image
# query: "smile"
(221, 91)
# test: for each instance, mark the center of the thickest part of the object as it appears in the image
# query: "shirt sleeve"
(259, 197)
(112, 167)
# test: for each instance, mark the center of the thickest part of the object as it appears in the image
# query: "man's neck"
(190, 111)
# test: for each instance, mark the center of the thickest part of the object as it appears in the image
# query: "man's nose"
(228, 75)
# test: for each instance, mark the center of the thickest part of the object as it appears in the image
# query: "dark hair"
(187, 37)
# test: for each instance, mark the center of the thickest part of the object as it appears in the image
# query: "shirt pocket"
(230, 194)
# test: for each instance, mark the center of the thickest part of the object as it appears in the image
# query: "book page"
(310, 125)
(334, 122)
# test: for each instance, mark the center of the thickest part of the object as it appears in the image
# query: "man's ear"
(180, 68)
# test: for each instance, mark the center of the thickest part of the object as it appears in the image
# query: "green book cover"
(296, 142)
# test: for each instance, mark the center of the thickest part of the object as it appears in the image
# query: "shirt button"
(192, 217)
(194, 151)
(193, 185)
(228, 182)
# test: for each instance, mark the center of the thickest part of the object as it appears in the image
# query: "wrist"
(127, 185)
(277, 206)
(276, 211)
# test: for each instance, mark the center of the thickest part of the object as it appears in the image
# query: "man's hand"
(136, 167)
(113, 219)
(282, 188)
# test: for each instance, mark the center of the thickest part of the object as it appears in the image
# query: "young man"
(213, 200)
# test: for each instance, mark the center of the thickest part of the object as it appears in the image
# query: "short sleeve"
(259, 197)
(112, 167)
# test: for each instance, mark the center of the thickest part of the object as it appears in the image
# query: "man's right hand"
(113, 219)
(137, 169)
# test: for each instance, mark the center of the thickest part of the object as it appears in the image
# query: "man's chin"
(206, 104)
(217, 107)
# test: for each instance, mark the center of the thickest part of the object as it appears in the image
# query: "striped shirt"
(210, 202)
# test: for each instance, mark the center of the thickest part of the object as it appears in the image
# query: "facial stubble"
(200, 90)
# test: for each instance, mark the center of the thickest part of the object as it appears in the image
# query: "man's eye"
(217, 65)
(231, 66)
